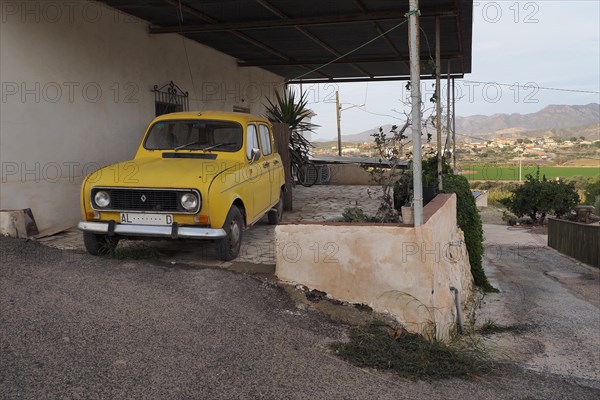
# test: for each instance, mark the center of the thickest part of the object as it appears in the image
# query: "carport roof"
(293, 38)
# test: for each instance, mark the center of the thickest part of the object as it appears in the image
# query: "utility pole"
(438, 101)
(338, 118)
(454, 130)
(448, 110)
(415, 94)
(520, 161)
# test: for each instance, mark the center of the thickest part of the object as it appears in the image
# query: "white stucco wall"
(76, 94)
(401, 270)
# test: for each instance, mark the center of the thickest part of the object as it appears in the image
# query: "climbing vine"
(470, 222)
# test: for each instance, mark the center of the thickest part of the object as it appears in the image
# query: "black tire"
(228, 248)
(307, 174)
(98, 245)
(276, 215)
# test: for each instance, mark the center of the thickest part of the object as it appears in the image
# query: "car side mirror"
(254, 154)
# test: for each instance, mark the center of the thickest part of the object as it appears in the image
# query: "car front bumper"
(174, 231)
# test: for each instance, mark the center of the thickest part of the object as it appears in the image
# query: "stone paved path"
(316, 203)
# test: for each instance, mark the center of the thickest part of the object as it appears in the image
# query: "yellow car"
(196, 175)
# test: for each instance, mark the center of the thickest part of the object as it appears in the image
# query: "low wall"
(349, 174)
(481, 197)
(575, 239)
(401, 270)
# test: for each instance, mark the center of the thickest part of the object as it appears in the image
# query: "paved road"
(552, 300)
(73, 326)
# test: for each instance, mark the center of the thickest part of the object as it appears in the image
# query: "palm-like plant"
(289, 109)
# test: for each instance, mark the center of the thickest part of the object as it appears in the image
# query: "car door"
(270, 163)
(258, 175)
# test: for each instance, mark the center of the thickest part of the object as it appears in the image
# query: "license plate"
(146, 219)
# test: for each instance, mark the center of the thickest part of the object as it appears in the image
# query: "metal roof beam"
(368, 79)
(309, 35)
(297, 22)
(276, 63)
(199, 14)
(377, 27)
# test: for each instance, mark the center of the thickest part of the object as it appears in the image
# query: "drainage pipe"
(461, 327)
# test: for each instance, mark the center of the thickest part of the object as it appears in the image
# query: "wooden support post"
(281, 133)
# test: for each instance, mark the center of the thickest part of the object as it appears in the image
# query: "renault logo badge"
(143, 198)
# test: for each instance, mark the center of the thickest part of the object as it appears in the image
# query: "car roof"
(214, 115)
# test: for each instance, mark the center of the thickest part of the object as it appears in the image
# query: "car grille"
(150, 200)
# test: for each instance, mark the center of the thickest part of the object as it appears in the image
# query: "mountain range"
(554, 120)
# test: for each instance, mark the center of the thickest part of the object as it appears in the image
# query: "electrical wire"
(405, 20)
(533, 85)
(187, 57)
(379, 115)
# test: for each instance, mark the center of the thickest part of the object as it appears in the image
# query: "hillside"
(554, 120)
(550, 117)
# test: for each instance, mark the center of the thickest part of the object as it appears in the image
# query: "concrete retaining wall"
(401, 270)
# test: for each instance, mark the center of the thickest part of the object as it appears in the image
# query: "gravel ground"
(75, 326)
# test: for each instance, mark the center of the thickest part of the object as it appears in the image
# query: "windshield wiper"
(204, 148)
(217, 145)
(186, 145)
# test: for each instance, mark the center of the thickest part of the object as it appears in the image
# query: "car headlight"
(102, 199)
(189, 201)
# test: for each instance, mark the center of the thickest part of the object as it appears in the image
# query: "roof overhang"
(309, 42)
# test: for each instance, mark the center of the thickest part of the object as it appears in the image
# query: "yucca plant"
(289, 109)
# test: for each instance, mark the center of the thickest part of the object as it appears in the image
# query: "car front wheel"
(98, 245)
(229, 247)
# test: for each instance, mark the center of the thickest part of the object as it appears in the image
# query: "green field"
(511, 173)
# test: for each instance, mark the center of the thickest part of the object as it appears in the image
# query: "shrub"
(497, 196)
(470, 222)
(540, 196)
(592, 191)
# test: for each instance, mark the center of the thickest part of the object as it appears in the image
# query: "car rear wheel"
(98, 245)
(229, 247)
(276, 214)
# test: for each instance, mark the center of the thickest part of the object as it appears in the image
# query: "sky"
(535, 44)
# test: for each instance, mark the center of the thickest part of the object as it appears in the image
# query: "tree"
(592, 192)
(538, 197)
(288, 109)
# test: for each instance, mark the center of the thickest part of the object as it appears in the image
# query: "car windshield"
(195, 135)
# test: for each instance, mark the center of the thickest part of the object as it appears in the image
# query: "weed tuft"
(411, 355)
(130, 253)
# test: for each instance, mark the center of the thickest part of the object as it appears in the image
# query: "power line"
(533, 86)
(377, 114)
(408, 14)
(187, 57)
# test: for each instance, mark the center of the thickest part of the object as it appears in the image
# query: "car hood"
(162, 173)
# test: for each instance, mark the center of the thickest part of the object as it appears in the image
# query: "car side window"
(265, 140)
(252, 140)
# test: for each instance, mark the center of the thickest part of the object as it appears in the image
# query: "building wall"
(76, 95)
(401, 270)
